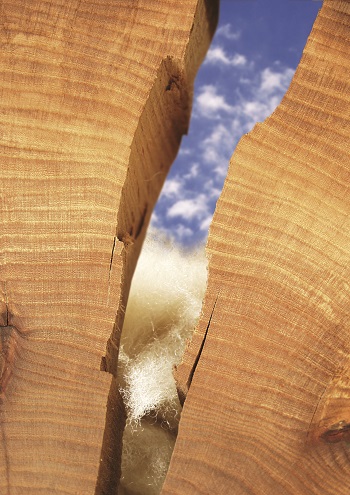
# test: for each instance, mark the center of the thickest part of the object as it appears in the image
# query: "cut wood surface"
(267, 375)
(95, 97)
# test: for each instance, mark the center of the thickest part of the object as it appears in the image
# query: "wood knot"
(11, 335)
(8, 351)
(331, 419)
(337, 432)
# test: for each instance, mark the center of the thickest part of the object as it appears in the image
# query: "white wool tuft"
(146, 456)
(163, 308)
(149, 379)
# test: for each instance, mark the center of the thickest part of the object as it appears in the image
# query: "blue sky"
(249, 66)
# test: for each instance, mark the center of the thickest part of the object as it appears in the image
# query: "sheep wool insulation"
(163, 308)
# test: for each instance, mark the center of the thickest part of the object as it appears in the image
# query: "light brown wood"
(95, 96)
(267, 373)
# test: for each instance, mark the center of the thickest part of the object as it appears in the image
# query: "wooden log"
(95, 97)
(267, 373)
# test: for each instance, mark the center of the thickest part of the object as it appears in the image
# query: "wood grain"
(267, 373)
(94, 99)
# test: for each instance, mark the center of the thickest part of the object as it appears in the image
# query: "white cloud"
(210, 188)
(185, 151)
(189, 197)
(263, 95)
(272, 81)
(209, 103)
(217, 55)
(189, 209)
(227, 32)
(217, 145)
(171, 188)
(256, 110)
(155, 221)
(205, 224)
(219, 135)
(267, 95)
(193, 173)
(182, 231)
(258, 101)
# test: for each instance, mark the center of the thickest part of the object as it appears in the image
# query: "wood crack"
(6, 456)
(5, 344)
(111, 260)
(196, 361)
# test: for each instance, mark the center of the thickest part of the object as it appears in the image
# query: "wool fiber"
(163, 308)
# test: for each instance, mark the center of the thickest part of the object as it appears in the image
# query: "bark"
(267, 375)
(95, 97)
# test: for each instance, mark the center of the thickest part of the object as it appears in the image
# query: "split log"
(267, 375)
(95, 97)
